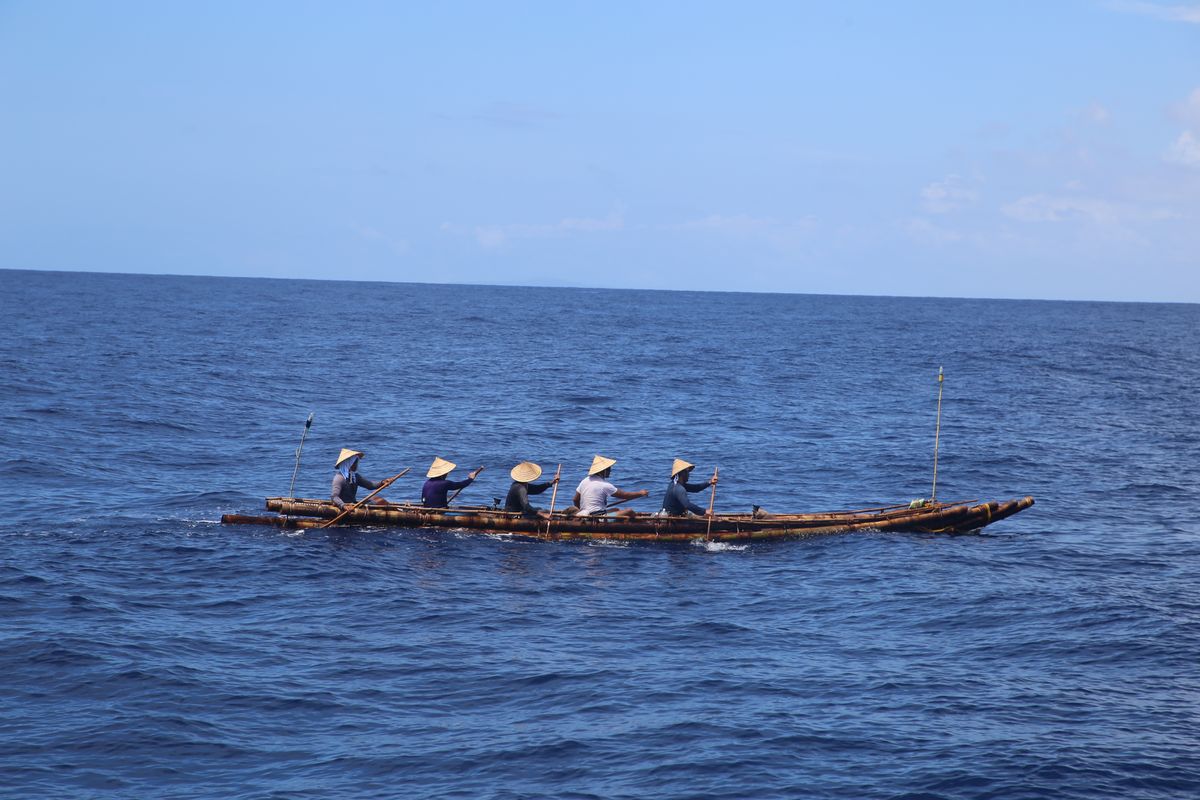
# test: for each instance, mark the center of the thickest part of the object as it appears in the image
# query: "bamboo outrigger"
(930, 518)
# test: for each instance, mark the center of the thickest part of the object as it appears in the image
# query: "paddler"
(675, 502)
(346, 479)
(591, 496)
(439, 486)
(523, 475)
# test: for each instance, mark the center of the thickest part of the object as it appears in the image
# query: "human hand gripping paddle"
(472, 476)
(354, 507)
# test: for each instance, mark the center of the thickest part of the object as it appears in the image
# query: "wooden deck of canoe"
(931, 518)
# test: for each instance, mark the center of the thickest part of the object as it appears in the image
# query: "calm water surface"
(146, 651)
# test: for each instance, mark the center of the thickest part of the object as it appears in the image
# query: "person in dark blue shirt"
(675, 501)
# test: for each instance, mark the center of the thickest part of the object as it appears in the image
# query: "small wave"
(1153, 487)
(719, 547)
(206, 499)
(48, 411)
(587, 399)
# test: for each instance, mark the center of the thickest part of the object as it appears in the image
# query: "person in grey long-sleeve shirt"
(346, 480)
(675, 501)
(523, 475)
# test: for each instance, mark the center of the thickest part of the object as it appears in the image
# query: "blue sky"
(984, 149)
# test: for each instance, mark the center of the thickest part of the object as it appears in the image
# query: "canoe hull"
(934, 518)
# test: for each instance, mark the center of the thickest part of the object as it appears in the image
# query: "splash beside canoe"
(930, 518)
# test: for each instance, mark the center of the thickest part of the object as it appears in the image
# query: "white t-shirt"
(594, 492)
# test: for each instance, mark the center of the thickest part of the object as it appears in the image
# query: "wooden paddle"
(711, 500)
(451, 498)
(381, 487)
(553, 497)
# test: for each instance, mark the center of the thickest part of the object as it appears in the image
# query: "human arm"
(676, 502)
(336, 490)
(538, 488)
(620, 494)
(366, 483)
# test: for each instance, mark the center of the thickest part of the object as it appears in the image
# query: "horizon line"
(595, 288)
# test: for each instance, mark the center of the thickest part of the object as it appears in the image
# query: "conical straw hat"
(600, 463)
(525, 472)
(440, 467)
(346, 453)
(679, 466)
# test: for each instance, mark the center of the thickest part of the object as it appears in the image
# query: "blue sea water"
(148, 651)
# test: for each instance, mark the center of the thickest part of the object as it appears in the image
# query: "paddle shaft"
(451, 498)
(379, 489)
(711, 500)
(300, 449)
(553, 497)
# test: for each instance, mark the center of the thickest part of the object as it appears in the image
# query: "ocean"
(148, 651)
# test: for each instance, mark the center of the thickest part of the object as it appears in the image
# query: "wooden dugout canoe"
(931, 518)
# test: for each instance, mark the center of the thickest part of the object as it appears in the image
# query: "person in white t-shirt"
(591, 496)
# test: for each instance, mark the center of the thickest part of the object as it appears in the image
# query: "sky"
(984, 149)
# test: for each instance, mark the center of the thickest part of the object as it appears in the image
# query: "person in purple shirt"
(438, 486)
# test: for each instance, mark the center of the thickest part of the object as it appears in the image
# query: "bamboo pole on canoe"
(472, 476)
(299, 450)
(553, 497)
(711, 501)
(937, 435)
(378, 489)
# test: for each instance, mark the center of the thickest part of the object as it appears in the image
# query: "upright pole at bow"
(303, 436)
(937, 435)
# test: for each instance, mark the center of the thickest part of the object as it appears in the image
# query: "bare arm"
(623, 495)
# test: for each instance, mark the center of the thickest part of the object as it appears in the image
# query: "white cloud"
(1051, 208)
(1097, 114)
(746, 225)
(1169, 13)
(398, 246)
(1185, 150)
(928, 232)
(947, 195)
(498, 235)
(1189, 110)
(782, 234)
